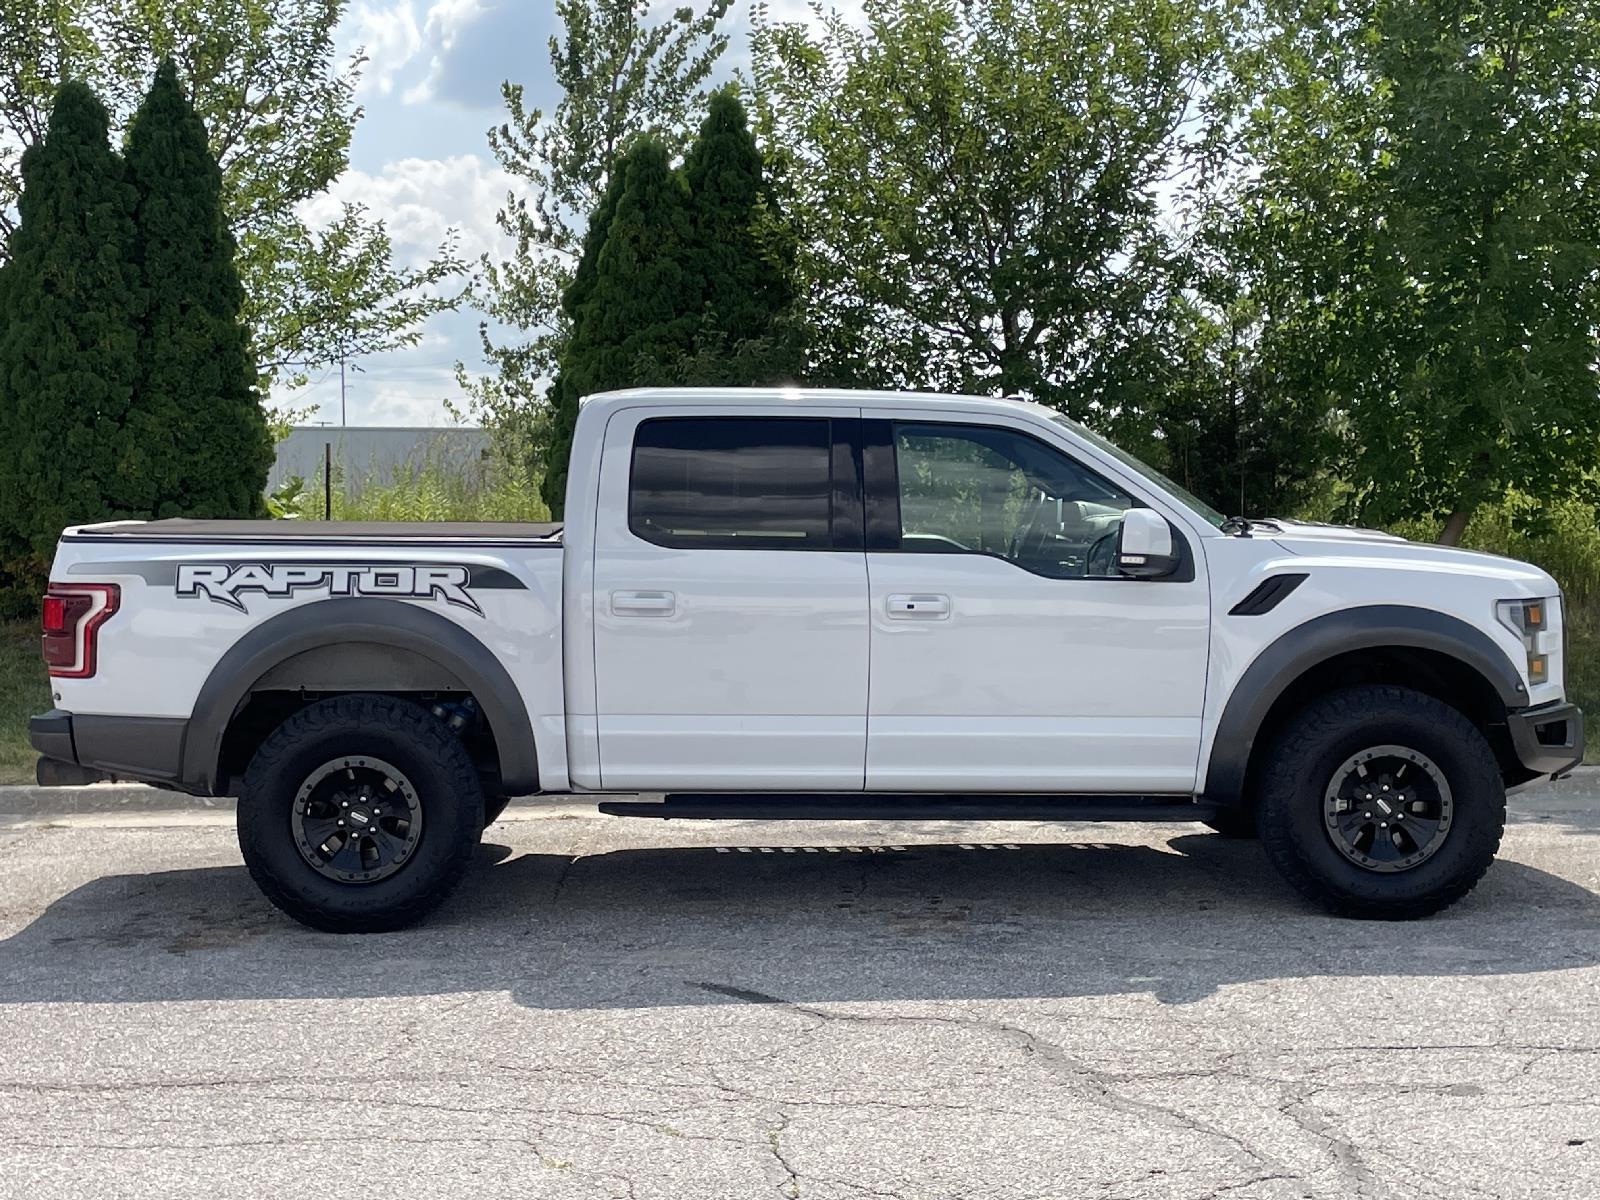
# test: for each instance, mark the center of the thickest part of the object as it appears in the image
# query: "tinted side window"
(980, 489)
(732, 483)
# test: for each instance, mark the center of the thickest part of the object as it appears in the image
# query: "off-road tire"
(387, 728)
(1301, 762)
(493, 806)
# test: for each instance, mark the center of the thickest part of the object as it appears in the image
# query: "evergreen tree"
(564, 396)
(197, 415)
(68, 350)
(639, 315)
(745, 294)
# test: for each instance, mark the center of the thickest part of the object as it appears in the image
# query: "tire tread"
(1289, 758)
(427, 735)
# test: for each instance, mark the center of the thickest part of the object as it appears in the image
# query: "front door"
(1007, 653)
(730, 603)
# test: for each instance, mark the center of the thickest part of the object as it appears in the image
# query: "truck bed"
(179, 529)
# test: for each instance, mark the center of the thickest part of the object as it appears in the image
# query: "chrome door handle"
(918, 606)
(643, 604)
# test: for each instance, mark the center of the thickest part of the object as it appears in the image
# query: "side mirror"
(1144, 547)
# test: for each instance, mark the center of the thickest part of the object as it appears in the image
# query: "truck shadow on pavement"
(698, 925)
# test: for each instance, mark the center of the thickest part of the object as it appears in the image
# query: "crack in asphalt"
(1092, 1083)
(790, 1186)
(1346, 1157)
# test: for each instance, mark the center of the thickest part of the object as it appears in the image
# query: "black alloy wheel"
(1388, 808)
(357, 819)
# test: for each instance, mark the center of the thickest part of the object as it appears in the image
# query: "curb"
(30, 800)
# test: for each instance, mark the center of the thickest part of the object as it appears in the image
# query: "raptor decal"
(226, 583)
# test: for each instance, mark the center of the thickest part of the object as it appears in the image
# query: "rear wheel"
(1381, 802)
(359, 814)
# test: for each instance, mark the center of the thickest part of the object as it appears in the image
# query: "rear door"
(730, 602)
(1007, 652)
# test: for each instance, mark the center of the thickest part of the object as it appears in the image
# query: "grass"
(24, 690)
(419, 492)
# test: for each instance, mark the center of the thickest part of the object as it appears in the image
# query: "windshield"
(1122, 456)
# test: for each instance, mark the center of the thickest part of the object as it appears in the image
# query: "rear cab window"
(732, 483)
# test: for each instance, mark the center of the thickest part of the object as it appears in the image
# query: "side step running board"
(856, 806)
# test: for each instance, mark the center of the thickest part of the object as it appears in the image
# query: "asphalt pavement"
(685, 1011)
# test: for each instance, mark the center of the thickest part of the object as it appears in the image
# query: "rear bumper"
(1548, 739)
(51, 735)
(146, 749)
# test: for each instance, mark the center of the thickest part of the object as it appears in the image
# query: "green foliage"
(1421, 174)
(620, 74)
(1224, 419)
(564, 395)
(640, 310)
(280, 108)
(291, 498)
(974, 188)
(739, 252)
(196, 425)
(1561, 536)
(68, 340)
(680, 280)
(417, 491)
(24, 691)
(281, 421)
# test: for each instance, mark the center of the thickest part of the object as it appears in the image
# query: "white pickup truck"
(814, 604)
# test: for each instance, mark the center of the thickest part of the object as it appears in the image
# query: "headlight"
(1528, 619)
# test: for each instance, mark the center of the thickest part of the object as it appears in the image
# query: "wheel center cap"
(359, 818)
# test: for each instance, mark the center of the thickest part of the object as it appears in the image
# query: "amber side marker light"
(1526, 619)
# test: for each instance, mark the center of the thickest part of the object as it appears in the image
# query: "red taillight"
(54, 616)
(70, 618)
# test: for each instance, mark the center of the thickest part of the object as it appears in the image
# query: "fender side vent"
(1266, 595)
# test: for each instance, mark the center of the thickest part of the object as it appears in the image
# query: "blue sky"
(420, 160)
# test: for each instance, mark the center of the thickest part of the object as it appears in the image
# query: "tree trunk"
(1454, 527)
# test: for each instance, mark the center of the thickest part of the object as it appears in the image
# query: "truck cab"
(806, 603)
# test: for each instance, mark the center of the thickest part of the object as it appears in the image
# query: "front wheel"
(1381, 802)
(359, 814)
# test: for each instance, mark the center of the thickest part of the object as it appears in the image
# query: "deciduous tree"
(279, 109)
(620, 73)
(1423, 172)
(976, 189)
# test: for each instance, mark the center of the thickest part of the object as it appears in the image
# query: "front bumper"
(1548, 739)
(146, 749)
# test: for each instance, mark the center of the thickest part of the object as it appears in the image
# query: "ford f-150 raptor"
(808, 604)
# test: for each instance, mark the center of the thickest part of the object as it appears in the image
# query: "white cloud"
(446, 19)
(421, 199)
(391, 38)
(410, 386)
(421, 55)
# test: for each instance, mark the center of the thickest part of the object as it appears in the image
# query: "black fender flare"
(1322, 638)
(385, 622)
